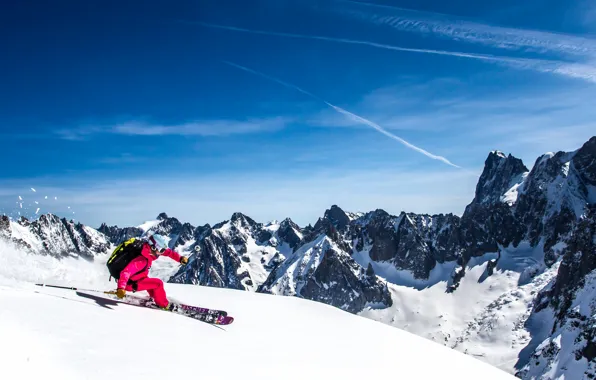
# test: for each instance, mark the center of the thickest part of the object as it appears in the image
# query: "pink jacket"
(139, 267)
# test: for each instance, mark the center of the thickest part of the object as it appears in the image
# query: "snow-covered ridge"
(41, 330)
(568, 353)
(255, 256)
(321, 270)
(50, 235)
(321, 338)
(397, 269)
(148, 225)
(510, 196)
(295, 271)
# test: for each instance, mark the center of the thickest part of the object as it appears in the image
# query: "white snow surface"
(510, 196)
(149, 225)
(256, 256)
(405, 278)
(555, 356)
(56, 236)
(272, 226)
(299, 265)
(24, 233)
(484, 317)
(59, 334)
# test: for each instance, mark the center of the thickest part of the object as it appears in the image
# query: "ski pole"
(77, 289)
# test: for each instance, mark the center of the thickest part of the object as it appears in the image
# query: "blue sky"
(279, 108)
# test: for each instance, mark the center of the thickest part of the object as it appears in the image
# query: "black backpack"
(123, 255)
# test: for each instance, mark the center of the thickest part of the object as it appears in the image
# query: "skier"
(135, 276)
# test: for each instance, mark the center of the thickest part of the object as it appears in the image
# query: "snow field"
(61, 334)
(273, 337)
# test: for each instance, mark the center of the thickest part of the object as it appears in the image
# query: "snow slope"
(59, 334)
(485, 317)
(149, 225)
(556, 357)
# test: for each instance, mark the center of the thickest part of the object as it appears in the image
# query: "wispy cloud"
(122, 158)
(211, 198)
(574, 70)
(579, 52)
(204, 128)
(79, 133)
(451, 27)
(195, 128)
(486, 57)
(349, 114)
(525, 122)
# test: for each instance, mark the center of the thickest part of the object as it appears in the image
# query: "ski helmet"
(158, 242)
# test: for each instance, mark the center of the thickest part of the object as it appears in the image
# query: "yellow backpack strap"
(129, 241)
(113, 256)
(119, 247)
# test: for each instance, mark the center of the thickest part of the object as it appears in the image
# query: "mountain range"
(531, 234)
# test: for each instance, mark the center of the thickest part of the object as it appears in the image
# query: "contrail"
(567, 69)
(475, 32)
(486, 57)
(389, 134)
(344, 112)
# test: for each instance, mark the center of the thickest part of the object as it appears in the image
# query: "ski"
(218, 317)
(210, 316)
(213, 316)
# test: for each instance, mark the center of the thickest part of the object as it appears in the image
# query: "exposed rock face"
(179, 233)
(499, 175)
(550, 207)
(118, 235)
(338, 218)
(6, 233)
(322, 271)
(239, 253)
(579, 260)
(511, 205)
(5, 227)
(215, 264)
(50, 235)
(571, 347)
(289, 232)
(489, 220)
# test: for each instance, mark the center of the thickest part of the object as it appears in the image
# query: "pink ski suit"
(137, 272)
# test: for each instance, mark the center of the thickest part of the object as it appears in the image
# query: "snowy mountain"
(117, 235)
(61, 334)
(508, 282)
(54, 236)
(323, 272)
(566, 347)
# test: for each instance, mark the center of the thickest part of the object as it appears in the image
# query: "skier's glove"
(184, 260)
(120, 293)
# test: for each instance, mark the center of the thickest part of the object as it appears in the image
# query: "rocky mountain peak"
(117, 235)
(499, 175)
(549, 165)
(337, 217)
(324, 272)
(52, 235)
(24, 221)
(240, 220)
(290, 232)
(179, 233)
(584, 162)
(288, 222)
(498, 153)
